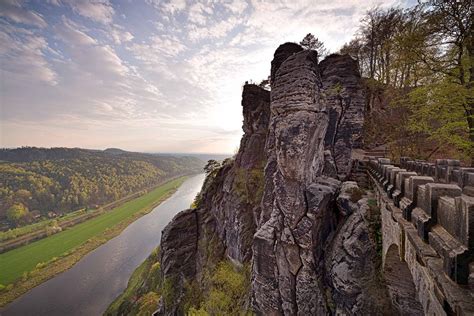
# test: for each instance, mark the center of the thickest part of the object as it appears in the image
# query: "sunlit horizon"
(150, 76)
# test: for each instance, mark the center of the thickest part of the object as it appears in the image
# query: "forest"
(39, 182)
(418, 69)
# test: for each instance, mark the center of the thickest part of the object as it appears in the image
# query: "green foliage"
(212, 169)
(53, 228)
(212, 166)
(196, 312)
(438, 111)
(27, 229)
(62, 180)
(372, 202)
(136, 298)
(40, 265)
(418, 65)
(228, 291)
(148, 303)
(312, 42)
(17, 261)
(193, 296)
(168, 291)
(16, 213)
(249, 184)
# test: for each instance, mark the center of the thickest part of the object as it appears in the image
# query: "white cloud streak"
(13, 10)
(148, 76)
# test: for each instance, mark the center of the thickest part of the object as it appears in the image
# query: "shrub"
(25, 275)
(197, 312)
(229, 290)
(148, 303)
(168, 291)
(155, 267)
(2, 287)
(372, 202)
(249, 184)
(356, 194)
(40, 265)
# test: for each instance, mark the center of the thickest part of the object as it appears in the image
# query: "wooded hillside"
(66, 179)
(419, 68)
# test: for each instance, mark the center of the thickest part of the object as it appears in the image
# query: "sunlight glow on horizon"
(149, 76)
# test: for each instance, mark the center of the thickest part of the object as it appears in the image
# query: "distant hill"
(65, 179)
(204, 157)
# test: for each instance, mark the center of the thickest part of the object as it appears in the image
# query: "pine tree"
(312, 42)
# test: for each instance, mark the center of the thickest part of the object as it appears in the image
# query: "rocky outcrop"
(224, 220)
(237, 207)
(281, 54)
(285, 263)
(353, 267)
(345, 101)
(281, 204)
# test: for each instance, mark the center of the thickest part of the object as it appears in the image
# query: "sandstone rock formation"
(223, 222)
(352, 265)
(345, 100)
(316, 120)
(282, 204)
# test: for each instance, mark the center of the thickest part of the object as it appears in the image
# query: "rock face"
(285, 263)
(282, 204)
(346, 102)
(224, 220)
(351, 262)
(316, 120)
(281, 54)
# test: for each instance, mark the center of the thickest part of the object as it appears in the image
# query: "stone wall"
(428, 213)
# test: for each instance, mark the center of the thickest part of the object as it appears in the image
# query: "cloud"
(236, 6)
(197, 13)
(14, 11)
(148, 76)
(119, 36)
(157, 47)
(217, 30)
(169, 6)
(97, 10)
(88, 53)
(23, 57)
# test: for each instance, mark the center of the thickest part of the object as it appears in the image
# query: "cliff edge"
(283, 205)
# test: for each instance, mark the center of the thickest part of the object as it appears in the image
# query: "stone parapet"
(435, 200)
(443, 171)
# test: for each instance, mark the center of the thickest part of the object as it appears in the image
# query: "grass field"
(18, 261)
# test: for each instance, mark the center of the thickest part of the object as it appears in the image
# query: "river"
(97, 279)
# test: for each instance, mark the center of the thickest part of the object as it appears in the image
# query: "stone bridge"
(427, 213)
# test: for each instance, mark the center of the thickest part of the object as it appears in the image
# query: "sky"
(151, 75)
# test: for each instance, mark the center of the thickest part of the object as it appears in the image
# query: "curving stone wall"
(427, 212)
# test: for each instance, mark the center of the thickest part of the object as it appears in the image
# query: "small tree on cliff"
(312, 42)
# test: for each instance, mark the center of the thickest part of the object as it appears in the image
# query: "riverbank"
(42, 260)
(36, 231)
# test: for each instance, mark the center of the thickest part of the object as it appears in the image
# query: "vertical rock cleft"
(345, 102)
(288, 247)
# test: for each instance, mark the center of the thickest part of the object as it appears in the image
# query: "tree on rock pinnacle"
(312, 42)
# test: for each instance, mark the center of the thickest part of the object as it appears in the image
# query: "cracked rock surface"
(284, 204)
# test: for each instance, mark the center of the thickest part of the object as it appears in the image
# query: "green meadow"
(16, 262)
